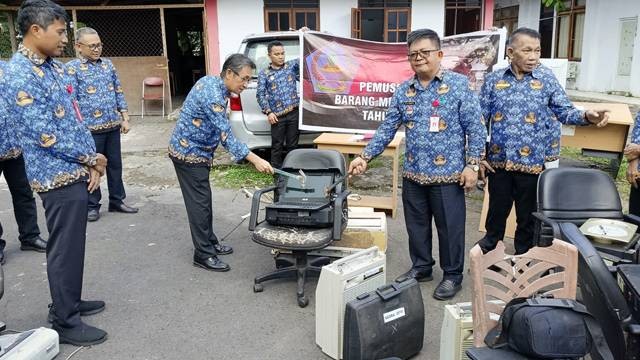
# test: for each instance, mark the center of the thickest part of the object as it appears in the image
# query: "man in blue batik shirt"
(12, 166)
(102, 104)
(632, 151)
(444, 145)
(60, 158)
(202, 126)
(278, 98)
(517, 102)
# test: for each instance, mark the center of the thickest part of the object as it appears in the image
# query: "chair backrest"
(599, 291)
(577, 194)
(548, 270)
(153, 81)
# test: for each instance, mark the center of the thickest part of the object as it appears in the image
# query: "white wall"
(335, 16)
(236, 21)
(529, 14)
(428, 14)
(598, 68)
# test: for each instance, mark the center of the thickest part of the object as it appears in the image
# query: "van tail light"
(235, 104)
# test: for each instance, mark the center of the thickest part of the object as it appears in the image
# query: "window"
(570, 30)
(462, 16)
(381, 20)
(282, 15)
(257, 51)
(506, 17)
(546, 30)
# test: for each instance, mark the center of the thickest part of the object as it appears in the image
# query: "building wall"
(428, 14)
(529, 14)
(598, 68)
(335, 16)
(236, 21)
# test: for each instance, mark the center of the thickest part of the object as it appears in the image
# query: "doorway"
(185, 50)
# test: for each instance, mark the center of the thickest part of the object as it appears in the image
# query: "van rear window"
(257, 51)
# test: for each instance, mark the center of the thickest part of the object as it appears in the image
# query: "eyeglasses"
(93, 47)
(424, 53)
(245, 79)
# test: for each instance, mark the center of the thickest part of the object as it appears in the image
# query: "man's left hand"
(125, 126)
(468, 179)
(599, 117)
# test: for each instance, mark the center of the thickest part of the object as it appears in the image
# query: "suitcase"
(37, 344)
(385, 323)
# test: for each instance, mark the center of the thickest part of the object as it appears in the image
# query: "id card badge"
(434, 124)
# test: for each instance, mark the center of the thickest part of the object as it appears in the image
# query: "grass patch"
(239, 175)
(603, 164)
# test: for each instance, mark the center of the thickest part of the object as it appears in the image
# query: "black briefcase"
(385, 323)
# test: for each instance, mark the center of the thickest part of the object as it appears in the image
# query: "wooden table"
(345, 144)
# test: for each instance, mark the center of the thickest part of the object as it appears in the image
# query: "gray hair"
(84, 31)
(236, 62)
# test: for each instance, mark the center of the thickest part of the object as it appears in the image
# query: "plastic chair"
(152, 82)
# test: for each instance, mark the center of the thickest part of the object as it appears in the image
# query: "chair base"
(299, 267)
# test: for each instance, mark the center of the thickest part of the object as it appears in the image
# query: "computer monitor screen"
(314, 187)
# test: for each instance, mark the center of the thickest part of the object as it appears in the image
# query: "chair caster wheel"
(303, 301)
(257, 288)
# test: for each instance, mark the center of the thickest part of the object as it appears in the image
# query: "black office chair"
(601, 295)
(575, 195)
(318, 213)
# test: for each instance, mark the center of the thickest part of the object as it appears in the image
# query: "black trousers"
(284, 137)
(505, 188)
(24, 204)
(634, 201)
(196, 191)
(445, 204)
(108, 144)
(66, 211)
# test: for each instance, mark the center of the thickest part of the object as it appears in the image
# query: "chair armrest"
(633, 329)
(633, 219)
(554, 225)
(337, 214)
(255, 205)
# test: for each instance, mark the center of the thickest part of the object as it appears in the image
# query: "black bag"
(548, 328)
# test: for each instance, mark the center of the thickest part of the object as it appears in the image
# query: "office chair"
(320, 198)
(575, 195)
(600, 293)
(152, 82)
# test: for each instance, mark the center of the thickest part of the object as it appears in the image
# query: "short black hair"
(236, 62)
(273, 44)
(523, 31)
(39, 12)
(423, 34)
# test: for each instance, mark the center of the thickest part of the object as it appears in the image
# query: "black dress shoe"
(222, 249)
(446, 290)
(81, 335)
(36, 244)
(2, 254)
(415, 274)
(211, 263)
(93, 215)
(86, 308)
(123, 208)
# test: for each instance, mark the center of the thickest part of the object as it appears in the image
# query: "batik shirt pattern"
(9, 148)
(277, 88)
(203, 124)
(519, 112)
(99, 93)
(434, 157)
(57, 147)
(635, 133)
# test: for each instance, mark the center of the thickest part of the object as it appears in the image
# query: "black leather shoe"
(222, 249)
(446, 290)
(419, 276)
(123, 208)
(86, 308)
(36, 244)
(81, 335)
(93, 215)
(211, 263)
(2, 253)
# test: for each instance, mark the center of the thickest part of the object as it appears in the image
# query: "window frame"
(291, 11)
(572, 12)
(457, 7)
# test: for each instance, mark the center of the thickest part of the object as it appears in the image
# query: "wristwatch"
(474, 167)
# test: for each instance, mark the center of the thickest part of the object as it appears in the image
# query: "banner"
(347, 84)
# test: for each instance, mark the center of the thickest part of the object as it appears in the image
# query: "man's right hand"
(357, 166)
(273, 119)
(101, 160)
(484, 167)
(259, 163)
(94, 179)
(632, 173)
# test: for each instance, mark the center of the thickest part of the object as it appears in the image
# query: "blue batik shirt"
(277, 88)
(554, 128)
(635, 133)
(203, 124)
(434, 157)
(519, 112)
(99, 93)
(58, 149)
(9, 148)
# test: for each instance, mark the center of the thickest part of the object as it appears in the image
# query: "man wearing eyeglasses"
(444, 145)
(518, 103)
(104, 111)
